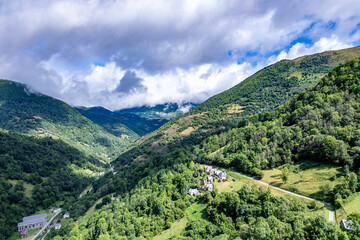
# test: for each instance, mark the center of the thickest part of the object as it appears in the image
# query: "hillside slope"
(320, 125)
(273, 85)
(261, 92)
(35, 173)
(35, 114)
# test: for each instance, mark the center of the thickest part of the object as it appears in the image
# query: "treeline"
(45, 165)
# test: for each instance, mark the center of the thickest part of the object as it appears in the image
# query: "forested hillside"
(318, 125)
(35, 114)
(261, 92)
(35, 173)
(273, 85)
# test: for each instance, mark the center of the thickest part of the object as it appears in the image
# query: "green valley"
(310, 138)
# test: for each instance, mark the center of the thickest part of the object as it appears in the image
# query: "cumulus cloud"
(300, 49)
(129, 53)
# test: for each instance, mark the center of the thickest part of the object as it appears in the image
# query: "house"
(208, 184)
(57, 226)
(193, 192)
(24, 233)
(66, 215)
(347, 224)
(34, 221)
(212, 171)
(210, 179)
(222, 176)
(207, 169)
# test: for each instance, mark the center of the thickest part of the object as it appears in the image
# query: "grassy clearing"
(195, 212)
(235, 108)
(174, 231)
(187, 131)
(85, 191)
(27, 186)
(92, 208)
(241, 181)
(306, 181)
(351, 205)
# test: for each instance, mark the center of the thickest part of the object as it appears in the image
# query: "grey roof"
(193, 191)
(33, 219)
(348, 224)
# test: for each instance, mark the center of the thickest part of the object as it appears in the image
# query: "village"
(208, 184)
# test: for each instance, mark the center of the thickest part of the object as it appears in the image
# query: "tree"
(285, 174)
(338, 200)
(352, 181)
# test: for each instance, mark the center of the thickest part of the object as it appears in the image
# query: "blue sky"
(120, 54)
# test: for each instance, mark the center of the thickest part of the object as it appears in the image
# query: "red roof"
(24, 231)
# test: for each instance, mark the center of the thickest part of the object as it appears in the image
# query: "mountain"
(319, 127)
(36, 114)
(36, 173)
(167, 111)
(261, 92)
(273, 85)
(125, 125)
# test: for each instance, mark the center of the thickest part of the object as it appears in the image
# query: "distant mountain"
(167, 111)
(24, 111)
(124, 125)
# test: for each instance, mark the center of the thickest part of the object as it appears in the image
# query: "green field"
(196, 211)
(351, 205)
(306, 180)
(230, 185)
(174, 231)
(27, 186)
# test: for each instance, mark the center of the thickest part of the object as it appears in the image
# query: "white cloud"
(178, 48)
(301, 49)
(179, 85)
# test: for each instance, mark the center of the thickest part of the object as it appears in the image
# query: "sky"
(121, 54)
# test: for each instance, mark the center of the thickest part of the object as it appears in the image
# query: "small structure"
(347, 224)
(210, 179)
(208, 184)
(31, 222)
(222, 176)
(66, 215)
(57, 226)
(207, 169)
(193, 192)
(212, 171)
(24, 233)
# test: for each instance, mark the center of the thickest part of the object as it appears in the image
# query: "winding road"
(327, 205)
